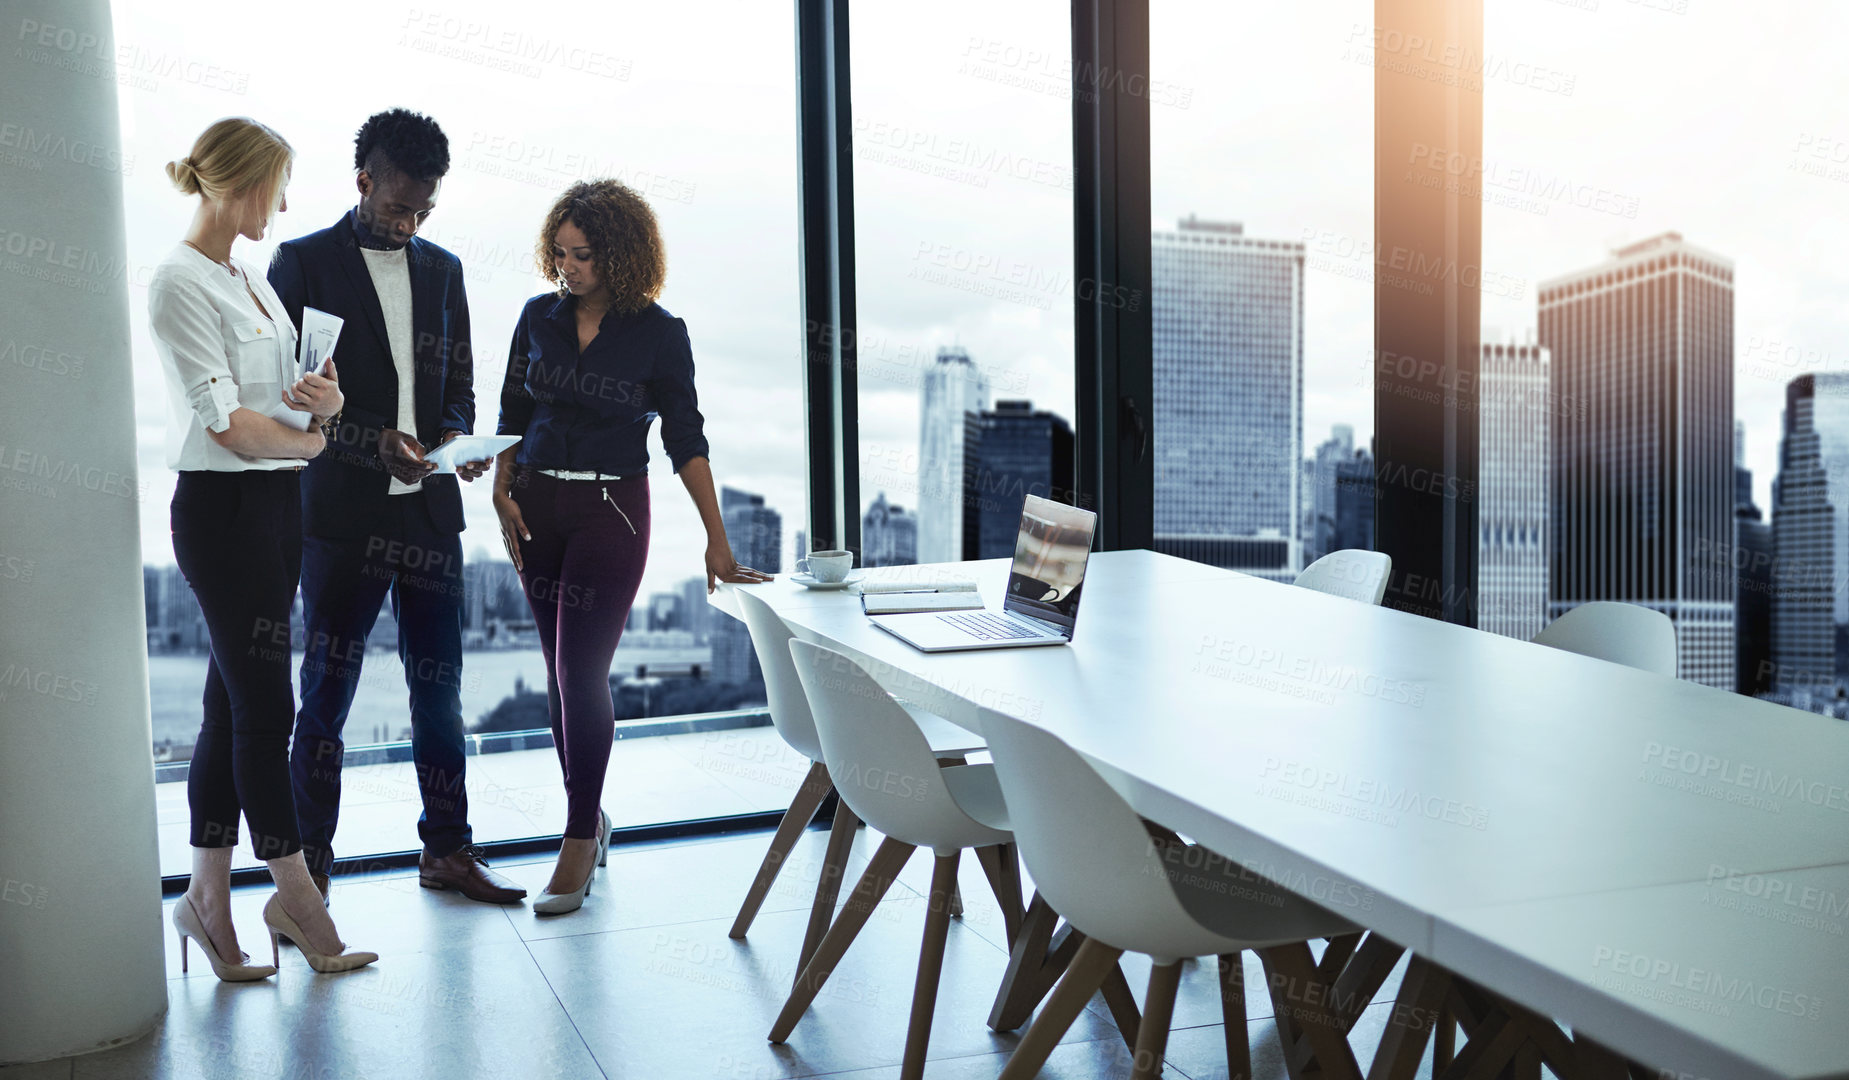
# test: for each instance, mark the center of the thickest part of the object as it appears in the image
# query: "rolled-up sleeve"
(186, 324)
(516, 403)
(683, 429)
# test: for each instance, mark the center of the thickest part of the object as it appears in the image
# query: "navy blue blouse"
(592, 411)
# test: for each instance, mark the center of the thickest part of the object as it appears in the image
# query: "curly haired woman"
(591, 365)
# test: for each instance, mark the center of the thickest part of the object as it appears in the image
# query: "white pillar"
(80, 913)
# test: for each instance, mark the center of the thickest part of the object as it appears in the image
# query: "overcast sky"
(1702, 120)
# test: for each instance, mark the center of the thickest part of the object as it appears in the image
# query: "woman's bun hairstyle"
(233, 156)
(184, 177)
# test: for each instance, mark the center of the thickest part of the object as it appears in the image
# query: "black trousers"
(344, 582)
(237, 537)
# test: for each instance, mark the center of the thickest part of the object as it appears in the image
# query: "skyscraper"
(696, 613)
(1352, 521)
(1319, 537)
(181, 625)
(1810, 537)
(1642, 476)
(1227, 426)
(1512, 437)
(1751, 563)
(756, 533)
(953, 389)
(1010, 452)
(888, 535)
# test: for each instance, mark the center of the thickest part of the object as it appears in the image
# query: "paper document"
(319, 333)
(918, 585)
(895, 603)
(466, 448)
(294, 418)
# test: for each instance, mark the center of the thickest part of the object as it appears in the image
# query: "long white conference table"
(1663, 867)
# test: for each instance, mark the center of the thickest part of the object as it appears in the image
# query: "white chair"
(1098, 863)
(790, 715)
(887, 772)
(1621, 633)
(1351, 572)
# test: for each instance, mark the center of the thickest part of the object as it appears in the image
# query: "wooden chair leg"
(879, 876)
(1041, 951)
(1122, 1003)
(828, 885)
(1002, 866)
(930, 966)
(1233, 1016)
(1444, 1041)
(808, 800)
(1158, 1011)
(1083, 976)
(956, 894)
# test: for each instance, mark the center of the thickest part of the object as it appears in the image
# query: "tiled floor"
(642, 982)
(519, 794)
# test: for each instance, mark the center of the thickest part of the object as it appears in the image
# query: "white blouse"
(219, 352)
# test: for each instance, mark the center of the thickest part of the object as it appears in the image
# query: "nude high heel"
(188, 924)
(551, 903)
(282, 926)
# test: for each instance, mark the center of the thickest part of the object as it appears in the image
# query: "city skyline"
(1558, 179)
(1788, 322)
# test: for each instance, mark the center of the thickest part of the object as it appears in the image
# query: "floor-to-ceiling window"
(1678, 355)
(1262, 292)
(962, 120)
(703, 125)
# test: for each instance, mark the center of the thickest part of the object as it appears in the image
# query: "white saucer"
(804, 579)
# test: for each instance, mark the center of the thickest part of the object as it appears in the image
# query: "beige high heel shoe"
(282, 926)
(188, 924)
(551, 903)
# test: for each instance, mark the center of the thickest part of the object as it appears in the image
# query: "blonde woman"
(241, 425)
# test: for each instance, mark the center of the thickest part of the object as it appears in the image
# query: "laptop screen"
(1049, 562)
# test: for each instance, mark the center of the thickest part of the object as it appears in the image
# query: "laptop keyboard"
(988, 627)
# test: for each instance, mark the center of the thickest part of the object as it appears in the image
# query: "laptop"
(1042, 605)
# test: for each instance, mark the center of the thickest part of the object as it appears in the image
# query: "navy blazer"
(344, 490)
(592, 410)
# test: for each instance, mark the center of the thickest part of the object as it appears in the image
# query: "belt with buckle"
(569, 474)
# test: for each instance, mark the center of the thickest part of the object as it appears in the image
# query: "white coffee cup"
(827, 565)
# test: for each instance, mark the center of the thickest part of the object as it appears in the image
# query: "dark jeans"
(344, 582)
(237, 537)
(580, 572)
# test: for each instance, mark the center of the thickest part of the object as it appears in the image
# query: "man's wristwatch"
(330, 426)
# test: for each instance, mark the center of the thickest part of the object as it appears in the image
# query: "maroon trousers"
(581, 571)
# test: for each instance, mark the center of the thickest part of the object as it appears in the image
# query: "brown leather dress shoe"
(467, 873)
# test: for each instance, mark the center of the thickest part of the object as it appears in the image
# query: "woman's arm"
(183, 319)
(697, 475)
(513, 526)
(255, 435)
